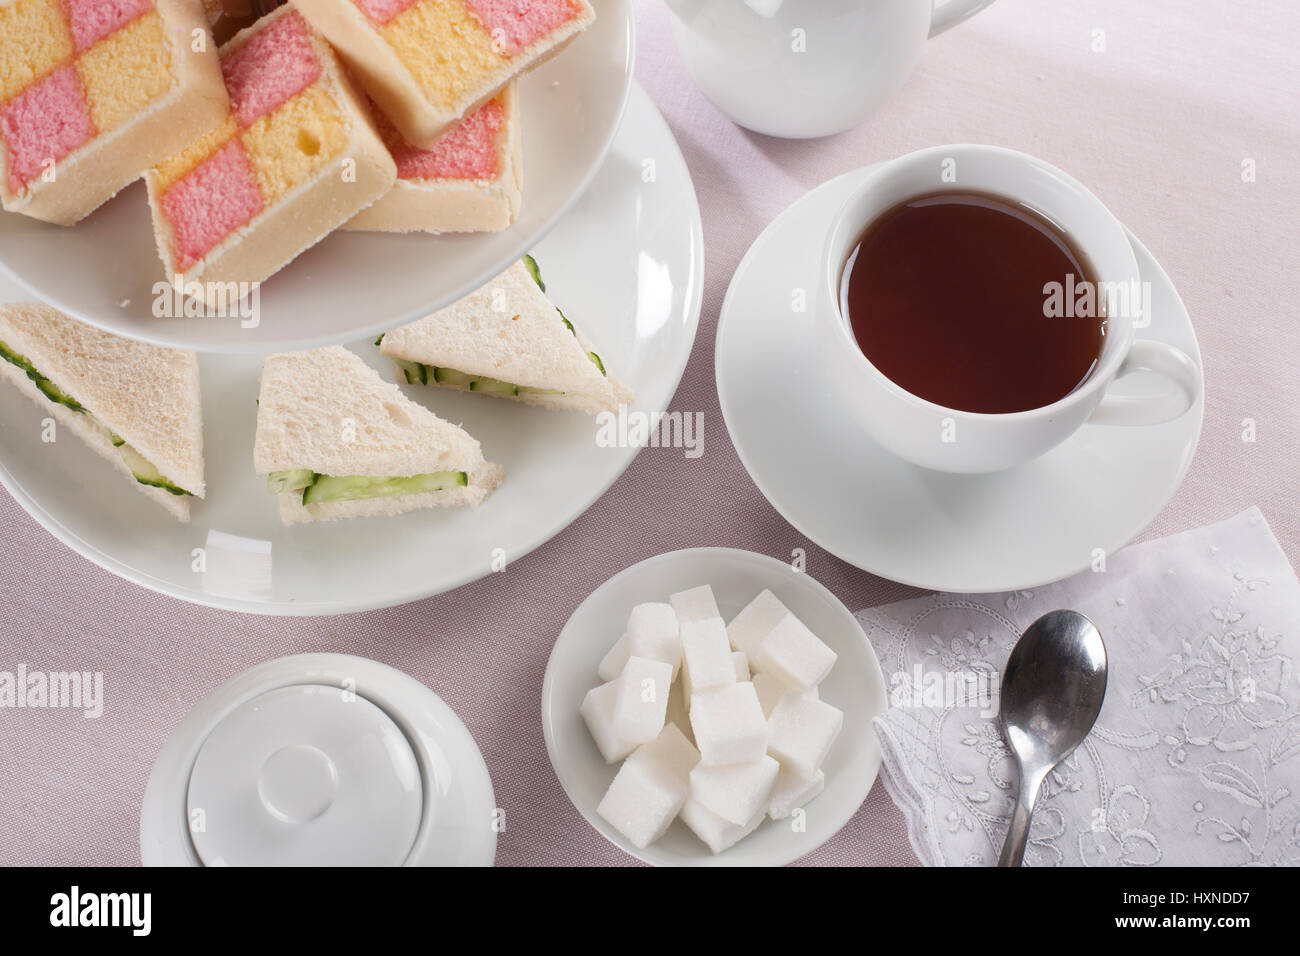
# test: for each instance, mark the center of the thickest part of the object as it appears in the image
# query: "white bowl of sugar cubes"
(713, 707)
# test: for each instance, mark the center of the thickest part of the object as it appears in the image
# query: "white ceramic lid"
(307, 775)
(319, 760)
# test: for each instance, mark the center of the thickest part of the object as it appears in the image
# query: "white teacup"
(947, 439)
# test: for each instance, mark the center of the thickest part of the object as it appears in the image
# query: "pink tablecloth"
(1158, 125)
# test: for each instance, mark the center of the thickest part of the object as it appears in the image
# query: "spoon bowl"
(1052, 689)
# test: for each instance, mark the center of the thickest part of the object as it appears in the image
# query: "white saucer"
(352, 285)
(626, 265)
(403, 782)
(856, 686)
(964, 533)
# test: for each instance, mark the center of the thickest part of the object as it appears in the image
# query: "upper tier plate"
(352, 285)
(626, 265)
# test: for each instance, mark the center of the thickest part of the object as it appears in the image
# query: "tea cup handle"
(1182, 380)
(953, 12)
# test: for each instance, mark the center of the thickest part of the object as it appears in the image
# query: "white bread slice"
(509, 330)
(91, 175)
(398, 91)
(455, 205)
(147, 394)
(312, 209)
(328, 411)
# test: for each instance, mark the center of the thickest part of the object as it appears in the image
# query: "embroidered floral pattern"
(1119, 836)
(1196, 756)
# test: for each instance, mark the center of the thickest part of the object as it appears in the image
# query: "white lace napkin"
(1195, 759)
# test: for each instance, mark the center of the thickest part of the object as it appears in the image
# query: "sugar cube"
(697, 604)
(611, 665)
(795, 654)
(641, 699)
(652, 632)
(706, 656)
(771, 689)
(728, 724)
(741, 663)
(792, 792)
(643, 801)
(737, 791)
(801, 731)
(650, 787)
(672, 751)
(677, 710)
(716, 832)
(748, 628)
(598, 711)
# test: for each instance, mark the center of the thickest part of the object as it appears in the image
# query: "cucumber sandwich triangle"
(134, 403)
(509, 340)
(335, 440)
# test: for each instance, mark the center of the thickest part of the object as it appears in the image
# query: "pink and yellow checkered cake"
(469, 181)
(93, 92)
(427, 63)
(295, 157)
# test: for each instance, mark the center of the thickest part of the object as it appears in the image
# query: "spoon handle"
(1013, 849)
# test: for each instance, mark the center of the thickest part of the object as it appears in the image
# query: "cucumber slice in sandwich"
(14, 358)
(449, 376)
(145, 472)
(48, 388)
(480, 383)
(117, 441)
(531, 265)
(416, 374)
(493, 387)
(282, 482)
(57, 395)
(354, 487)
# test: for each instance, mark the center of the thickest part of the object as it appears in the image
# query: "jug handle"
(953, 12)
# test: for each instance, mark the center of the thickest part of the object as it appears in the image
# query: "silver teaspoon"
(1052, 689)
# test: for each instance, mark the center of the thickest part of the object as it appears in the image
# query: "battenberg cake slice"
(470, 181)
(295, 158)
(427, 63)
(507, 339)
(335, 440)
(134, 403)
(93, 92)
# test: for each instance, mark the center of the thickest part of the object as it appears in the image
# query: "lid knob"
(297, 783)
